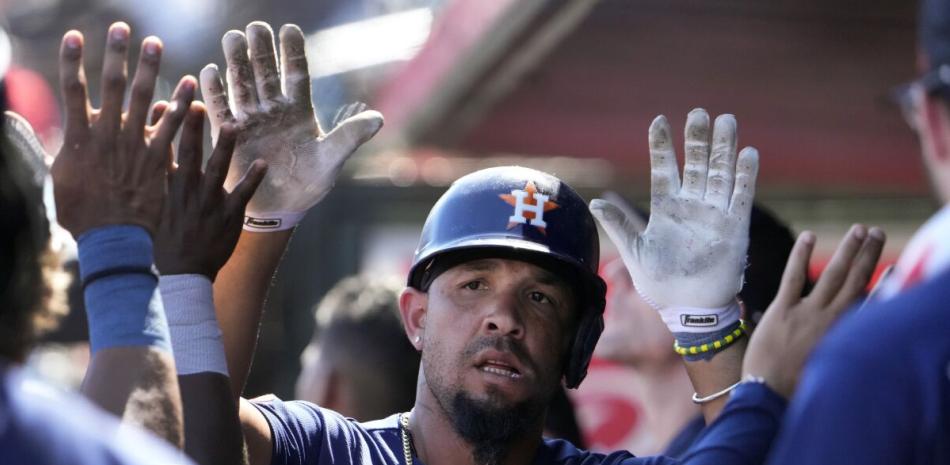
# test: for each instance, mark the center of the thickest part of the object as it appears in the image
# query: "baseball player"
(878, 388)
(503, 298)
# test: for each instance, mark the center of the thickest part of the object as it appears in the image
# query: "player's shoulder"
(561, 452)
(900, 320)
(42, 425)
(900, 335)
(388, 424)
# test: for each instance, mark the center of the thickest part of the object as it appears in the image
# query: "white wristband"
(271, 221)
(696, 319)
(195, 334)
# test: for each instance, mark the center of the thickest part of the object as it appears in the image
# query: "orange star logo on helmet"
(530, 206)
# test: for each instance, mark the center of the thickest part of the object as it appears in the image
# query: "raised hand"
(793, 324)
(693, 251)
(201, 222)
(110, 169)
(274, 116)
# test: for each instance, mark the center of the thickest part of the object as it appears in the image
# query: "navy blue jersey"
(305, 434)
(41, 426)
(877, 389)
(683, 440)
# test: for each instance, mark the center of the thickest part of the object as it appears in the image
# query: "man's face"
(497, 331)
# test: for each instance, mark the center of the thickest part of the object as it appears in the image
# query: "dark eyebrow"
(548, 278)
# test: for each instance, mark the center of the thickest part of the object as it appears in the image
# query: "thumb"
(636, 218)
(353, 132)
(620, 227)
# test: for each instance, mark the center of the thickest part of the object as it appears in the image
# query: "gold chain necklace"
(406, 439)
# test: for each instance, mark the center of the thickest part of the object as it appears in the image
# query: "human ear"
(413, 305)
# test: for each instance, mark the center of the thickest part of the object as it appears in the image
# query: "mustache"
(501, 344)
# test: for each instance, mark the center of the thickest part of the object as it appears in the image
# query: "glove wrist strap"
(271, 221)
(683, 319)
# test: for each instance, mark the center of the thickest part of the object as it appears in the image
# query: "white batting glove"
(689, 261)
(275, 118)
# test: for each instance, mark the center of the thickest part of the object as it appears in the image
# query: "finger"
(247, 186)
(861, 270)
(622, 231)
(219, 163)
(114, 75)
(697, 154)
(635, 217)
(158, 108)
(143, 87)
(722, 162)
(830, 282)
(353, 132)
(72, 81)
(664, 175)
(173, 116)
(260, 39)
(293, 61)
(189, 146)
(796, 271)
(215, 98)
(241, 85)
(743, 194)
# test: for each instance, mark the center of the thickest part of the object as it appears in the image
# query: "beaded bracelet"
(716, 345)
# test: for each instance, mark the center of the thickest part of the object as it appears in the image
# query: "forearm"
(137, 384)
(212, 428)
(132, 373)
(744, 432)
(724, 369)
(240, 291)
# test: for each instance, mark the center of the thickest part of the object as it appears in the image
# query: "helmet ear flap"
(582, 350)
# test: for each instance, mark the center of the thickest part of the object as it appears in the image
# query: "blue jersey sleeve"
(741, 435)
(743, 432)
(304, 434)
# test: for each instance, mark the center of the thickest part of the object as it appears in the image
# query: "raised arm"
(200, 226)
(689, 262)
(109, 185)
(269, 104)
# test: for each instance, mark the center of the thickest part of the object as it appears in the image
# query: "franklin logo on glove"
(699, 320)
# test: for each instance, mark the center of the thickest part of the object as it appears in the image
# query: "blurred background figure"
(360, 362)
(636, 337)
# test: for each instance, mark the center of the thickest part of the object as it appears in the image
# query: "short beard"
(490, 430)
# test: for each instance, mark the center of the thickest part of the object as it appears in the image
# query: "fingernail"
(72, 40)
(119, 33)
(151, 48)
(187, 84)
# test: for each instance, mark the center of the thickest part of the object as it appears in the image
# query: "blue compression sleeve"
(123, 309)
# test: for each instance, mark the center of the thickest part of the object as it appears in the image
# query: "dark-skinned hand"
(201, 221)
(111, 168)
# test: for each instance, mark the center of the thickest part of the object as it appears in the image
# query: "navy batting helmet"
(524, 214)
